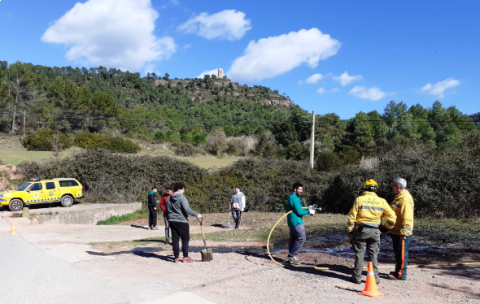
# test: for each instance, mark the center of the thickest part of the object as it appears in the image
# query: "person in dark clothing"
(152, 209)
(163, 201)
(178, 209)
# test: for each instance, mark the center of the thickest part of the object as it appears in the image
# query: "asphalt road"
(30, 275)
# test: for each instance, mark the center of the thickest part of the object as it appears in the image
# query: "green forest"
(185, 111)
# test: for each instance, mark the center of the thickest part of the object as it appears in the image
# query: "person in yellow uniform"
(364, 220)
(402, 231)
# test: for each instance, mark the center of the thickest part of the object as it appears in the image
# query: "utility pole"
(312, 143)
(24, 114)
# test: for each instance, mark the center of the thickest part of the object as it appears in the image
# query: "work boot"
(292, 261)
(355, 280)
(177, 260)
(188, 260)
(394, 276)
(299, 260)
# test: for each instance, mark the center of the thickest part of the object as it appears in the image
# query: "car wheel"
(15, 205)
(67, 201)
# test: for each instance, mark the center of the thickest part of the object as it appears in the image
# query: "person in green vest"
(295, 223)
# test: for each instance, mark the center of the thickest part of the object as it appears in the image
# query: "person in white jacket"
(237, 205)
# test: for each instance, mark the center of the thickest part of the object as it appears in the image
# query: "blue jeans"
(297, 240)
(167, 228)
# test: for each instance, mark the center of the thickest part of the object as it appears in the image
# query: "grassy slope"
(12, 152)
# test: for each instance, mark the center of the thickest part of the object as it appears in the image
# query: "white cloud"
(187, 46)
(372, 93)
(112, 33)
(228, 24)
(210, 73)
(272, 56)
(346, 79)
(314, 78)
(323, 91)
(439, 88)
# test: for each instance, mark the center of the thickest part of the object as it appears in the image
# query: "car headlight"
(2, 196)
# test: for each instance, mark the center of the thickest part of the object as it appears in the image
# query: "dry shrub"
(216, 142)
(368, 163)
(241, 145)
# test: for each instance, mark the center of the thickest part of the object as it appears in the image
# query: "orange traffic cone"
(371, 285)
(13, 231)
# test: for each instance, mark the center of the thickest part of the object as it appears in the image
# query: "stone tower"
(220, 73)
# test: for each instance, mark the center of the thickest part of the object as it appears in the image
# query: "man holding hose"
(295, 222)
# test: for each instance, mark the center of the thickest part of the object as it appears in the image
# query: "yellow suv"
(36, 191)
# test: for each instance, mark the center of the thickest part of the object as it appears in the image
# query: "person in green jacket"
(295, 222)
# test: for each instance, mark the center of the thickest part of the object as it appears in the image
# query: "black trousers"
(152, 217)
(180, 230)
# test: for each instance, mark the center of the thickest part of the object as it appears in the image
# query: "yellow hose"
(346, 268)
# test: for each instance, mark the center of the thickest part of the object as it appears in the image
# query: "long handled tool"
(207, 253)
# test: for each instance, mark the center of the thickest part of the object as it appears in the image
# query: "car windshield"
(24, 186)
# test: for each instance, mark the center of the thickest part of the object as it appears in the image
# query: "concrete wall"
(84, 214)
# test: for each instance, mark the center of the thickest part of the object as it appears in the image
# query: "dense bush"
(103, 141)
(266, 146)
(442, 185)
(184, 149)
(216, 142)
(41, 141)
(328, 161)
(116, 178)
(160, 136)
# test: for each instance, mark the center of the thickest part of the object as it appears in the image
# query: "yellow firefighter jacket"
(403, 207)
(369, 209)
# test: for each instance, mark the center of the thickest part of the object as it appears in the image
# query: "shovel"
(207, 254)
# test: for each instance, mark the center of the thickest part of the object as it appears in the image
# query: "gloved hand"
(351, 238)
(311, 210)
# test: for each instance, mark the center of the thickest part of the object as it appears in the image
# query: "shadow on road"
(139, 227)
(309, 268)
(144, 253)
(464, 289)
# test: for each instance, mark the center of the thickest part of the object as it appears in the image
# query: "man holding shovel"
(178, 209)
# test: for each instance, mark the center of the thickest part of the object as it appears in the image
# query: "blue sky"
(328, 56)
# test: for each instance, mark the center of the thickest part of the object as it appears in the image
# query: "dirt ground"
(247, 275)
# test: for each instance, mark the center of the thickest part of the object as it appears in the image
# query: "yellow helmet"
(370, 185)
